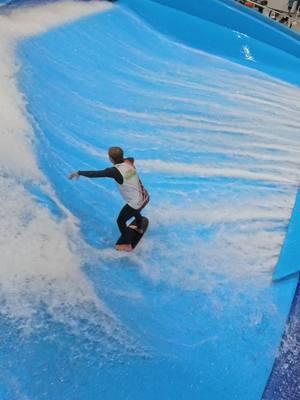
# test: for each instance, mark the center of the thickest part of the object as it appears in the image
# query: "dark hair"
(116, 154)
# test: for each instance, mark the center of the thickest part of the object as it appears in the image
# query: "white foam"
(29, 21)
(40, 267)
(16, 131)
(182, 169)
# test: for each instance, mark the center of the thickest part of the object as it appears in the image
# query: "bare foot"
(124, 247)
(135, 228)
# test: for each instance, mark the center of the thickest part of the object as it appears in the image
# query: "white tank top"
(131, 189)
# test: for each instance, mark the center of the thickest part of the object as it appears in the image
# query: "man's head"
(116, 155)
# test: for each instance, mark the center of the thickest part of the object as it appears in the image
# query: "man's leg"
(138, 218)
(125, 214)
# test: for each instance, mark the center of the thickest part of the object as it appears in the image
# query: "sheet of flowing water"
(217, 145)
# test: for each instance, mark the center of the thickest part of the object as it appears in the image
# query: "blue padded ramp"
(289, 260)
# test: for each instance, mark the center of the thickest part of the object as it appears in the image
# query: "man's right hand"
(74, 175)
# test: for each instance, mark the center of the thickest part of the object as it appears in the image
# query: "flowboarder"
(132, 191)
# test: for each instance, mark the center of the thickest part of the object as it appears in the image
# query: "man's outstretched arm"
(113, 173)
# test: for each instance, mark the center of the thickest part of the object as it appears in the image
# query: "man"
(131, 189)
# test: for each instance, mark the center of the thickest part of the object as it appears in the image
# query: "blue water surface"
(194, 330)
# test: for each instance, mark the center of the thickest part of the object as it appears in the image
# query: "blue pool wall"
(188, 23)
(236, 17)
